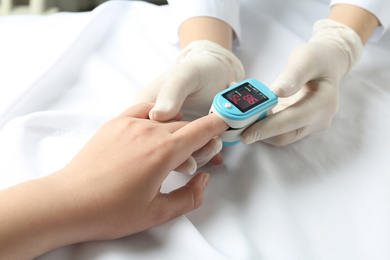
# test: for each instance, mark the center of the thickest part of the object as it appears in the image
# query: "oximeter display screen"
(245, 97)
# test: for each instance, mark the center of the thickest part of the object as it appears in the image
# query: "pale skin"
(215, 30)
(360, 20)
(206, 28)
(105, 192)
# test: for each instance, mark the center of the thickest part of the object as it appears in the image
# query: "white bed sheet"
(325, 197)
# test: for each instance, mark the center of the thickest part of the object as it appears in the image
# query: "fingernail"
(205, 179)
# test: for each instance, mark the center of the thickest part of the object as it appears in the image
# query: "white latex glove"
(201, 70)
(207, 153)
(308, 87)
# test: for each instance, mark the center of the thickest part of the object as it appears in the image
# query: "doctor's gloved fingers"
(182, 200)
(189, 166)
(298, 134)
(312, 108)
(300, 69)
(278, 139)
(202, 156)
(140, 110)
(178, 85)
(208, 152)
(287, 138)
(231, 84)
(199, 132)
(150, 94)
(272, 126)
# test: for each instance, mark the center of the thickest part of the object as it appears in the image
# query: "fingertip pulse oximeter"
(242, 105)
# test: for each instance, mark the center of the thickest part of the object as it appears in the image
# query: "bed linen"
(324, 197)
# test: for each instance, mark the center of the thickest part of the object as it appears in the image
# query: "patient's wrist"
(40, 218)
(75, 212)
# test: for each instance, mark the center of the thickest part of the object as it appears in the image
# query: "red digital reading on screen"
(245, 97)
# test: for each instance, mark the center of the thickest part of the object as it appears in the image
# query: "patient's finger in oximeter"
(242, 105)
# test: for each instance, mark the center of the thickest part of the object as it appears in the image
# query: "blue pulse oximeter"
(242, 105)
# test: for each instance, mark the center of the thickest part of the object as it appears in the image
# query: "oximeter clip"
(242, 105)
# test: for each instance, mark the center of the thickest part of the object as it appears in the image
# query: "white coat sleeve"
(379, 8)
(225, 10)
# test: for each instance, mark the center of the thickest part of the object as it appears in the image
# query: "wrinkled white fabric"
(324, 197)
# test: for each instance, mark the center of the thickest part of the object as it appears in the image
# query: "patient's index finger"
(197, 133)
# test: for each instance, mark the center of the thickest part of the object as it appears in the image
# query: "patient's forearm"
(360, 20)
(206, 28)
(35, 217)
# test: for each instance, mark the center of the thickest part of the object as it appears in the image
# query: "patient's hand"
(202, 70)
(110, 189)
(308, 87)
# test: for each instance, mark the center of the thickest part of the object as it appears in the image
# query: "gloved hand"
(308, 87)
(201, 70)
(208, 153)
